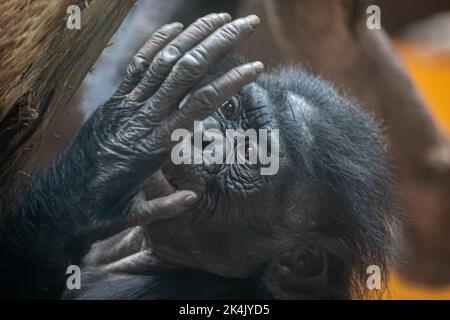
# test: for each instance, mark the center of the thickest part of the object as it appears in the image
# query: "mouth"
(186, 177)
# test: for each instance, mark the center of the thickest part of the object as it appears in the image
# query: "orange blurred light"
(430, 70)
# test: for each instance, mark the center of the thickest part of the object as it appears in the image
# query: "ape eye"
(230, 106)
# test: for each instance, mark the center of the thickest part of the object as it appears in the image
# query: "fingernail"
(170, 54)
(178, 25)
(258, 66)
(190, 199)
(253, 20)
(225, 16)
(175, 26)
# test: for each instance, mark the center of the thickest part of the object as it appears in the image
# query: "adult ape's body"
(314, 239)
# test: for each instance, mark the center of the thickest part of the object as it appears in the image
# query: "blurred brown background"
(328, 37)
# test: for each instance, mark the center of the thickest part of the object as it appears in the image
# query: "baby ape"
(308, 232)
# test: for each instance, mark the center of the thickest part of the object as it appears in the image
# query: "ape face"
(244, 219)
(240, 220)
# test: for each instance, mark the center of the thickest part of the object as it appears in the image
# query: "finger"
(194, 65)
(164, 61)
(142, 262)
(161, 208)
(143, 58)
(115, 248)
(140, 213)
(205, 101)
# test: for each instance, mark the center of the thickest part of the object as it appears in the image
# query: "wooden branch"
(42, 63)
(331, 39)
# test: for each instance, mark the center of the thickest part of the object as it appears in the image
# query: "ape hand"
(127, 252)
(128, 138)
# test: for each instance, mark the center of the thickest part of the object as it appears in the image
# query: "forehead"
(292, 112)
(293, 100)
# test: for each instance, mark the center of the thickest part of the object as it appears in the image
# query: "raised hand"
(128, 139)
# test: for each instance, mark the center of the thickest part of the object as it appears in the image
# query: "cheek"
(243, 222)
(173, 239)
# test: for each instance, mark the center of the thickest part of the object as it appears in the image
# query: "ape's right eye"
(230, 106)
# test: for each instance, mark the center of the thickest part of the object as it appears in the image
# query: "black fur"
(345, 166)
(168, 285)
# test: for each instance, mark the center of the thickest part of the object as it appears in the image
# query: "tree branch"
(42, 63)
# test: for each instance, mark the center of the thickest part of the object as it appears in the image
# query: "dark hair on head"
(340, 153)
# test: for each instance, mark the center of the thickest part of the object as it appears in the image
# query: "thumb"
(140, 213)
(145, 212)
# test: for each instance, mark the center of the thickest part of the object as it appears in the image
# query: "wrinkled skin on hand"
(131, 133)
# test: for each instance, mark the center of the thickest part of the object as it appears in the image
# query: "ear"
(319, 269)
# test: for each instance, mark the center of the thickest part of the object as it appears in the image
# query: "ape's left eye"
(230, 106)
